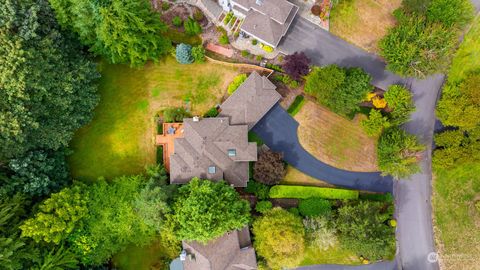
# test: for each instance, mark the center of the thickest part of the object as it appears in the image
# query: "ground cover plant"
(363, 22)
(119, 139)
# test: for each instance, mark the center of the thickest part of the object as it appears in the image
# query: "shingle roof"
(269, 21)
(223, 253)
(206, 143)
(251, 101)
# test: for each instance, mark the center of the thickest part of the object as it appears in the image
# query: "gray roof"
(205, 144)
(251, 101)
(223, 253)
(269, 21)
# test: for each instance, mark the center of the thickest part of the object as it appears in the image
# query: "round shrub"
(294, 210)
(263, 206)
(315, 207)
(267, 48)
(177, 21)
(223, 39)
(316, 10)
(254, 42)
(198, 15)
(183, 53)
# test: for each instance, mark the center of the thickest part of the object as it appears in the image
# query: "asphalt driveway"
(278, 130)
(374, 266)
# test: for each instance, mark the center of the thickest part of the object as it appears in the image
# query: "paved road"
(412, 196)
(278, 130)
(374, 266)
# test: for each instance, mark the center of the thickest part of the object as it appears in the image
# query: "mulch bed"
(285, 203)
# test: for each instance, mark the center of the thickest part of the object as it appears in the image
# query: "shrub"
(379, 102)
(387, 197)
(223, 39)
(212, 112)
(198, 15)
(294, 210)
(261, 191)
(296, 105)
(245, 53)
(172, 115)
(296, 65)
(267, 48)
(258, 58)
(305, 192)
(315, 207)
(398, 153)
(183, 53)
(400, 100)
(254, 42)
(165, 5)
(375, 123)
(198, 54)
(316, 10)
(177, 21)
(286, 80)
(263, 206)
(227, 18)
(450, 12)
(269, 168)
(279, 238)
(237, 81)
(319, 233)
(192, 27)
(274, 67)
(363, 229)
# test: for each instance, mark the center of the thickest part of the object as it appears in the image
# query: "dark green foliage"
(339, 89)
(245, 53)
(294, 210)
(450, 12)
(263, 206)
(173, 115)
(269, 168)
(398, 153)
(315, 207)
(274, 67)
(192, 27)
(47, 84)
(177, 21)
(254, 42)
(198, 15)
(260, 190)
(400, 100)
(183, 54)
(286, 80)
(198, 54)
(296, 105)
(165, 6)
(296, 65)
(305, 192)
(205, 210)
(456, 147)
(123, 31)
(387, 197)
(223, 39)
(212, 112)
(363, 228)
(375, 124)
(38, 173)
(253, 137)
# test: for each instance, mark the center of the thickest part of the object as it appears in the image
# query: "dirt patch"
(335, 140)
(363, 22)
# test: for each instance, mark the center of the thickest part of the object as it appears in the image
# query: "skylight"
(212, 169)
(232, 152)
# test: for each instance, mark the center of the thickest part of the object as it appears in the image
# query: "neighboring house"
(264, 20)
(232, 251)
(218, 148)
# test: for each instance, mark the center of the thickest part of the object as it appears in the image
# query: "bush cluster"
(315, 207)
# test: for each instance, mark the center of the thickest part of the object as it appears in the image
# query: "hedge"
(296, 105)
(304, 192)
(387, 197)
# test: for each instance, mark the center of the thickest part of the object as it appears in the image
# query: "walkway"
(278, 130)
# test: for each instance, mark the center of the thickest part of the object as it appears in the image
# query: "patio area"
(171, 131)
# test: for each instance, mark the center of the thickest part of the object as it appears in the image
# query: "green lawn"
(142, 258)
(120, 139)
(335, 255)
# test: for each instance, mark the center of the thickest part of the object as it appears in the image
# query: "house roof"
(206, 144)
(269, 21)
(251, 101)
(228, 252)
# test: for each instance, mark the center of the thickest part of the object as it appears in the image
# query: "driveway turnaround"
(389, 265)
(278, 131)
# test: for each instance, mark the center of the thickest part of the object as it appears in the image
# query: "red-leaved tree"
(296, 65)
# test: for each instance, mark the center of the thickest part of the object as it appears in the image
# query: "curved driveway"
(278, 130)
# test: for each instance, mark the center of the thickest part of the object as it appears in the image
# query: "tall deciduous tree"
(123, 31)
(47, 85)
(205, 210)
(296, 65)
(279, 238)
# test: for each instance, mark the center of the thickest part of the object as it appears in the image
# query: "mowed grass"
(457, 220)
(363, 22)
(335, 140)
(298, 178)
(334, 255)
(120, 138)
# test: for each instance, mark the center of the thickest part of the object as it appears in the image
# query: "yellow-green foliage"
(304, 192)
(237, 81)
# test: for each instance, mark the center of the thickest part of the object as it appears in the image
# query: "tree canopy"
(123, 31)
(205, 210)
(47, 84)
(296, 65)
(269, 168)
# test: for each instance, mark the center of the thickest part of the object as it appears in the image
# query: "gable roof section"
(278, 10)
(205, 144)
(223, 253)
(251, 101)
